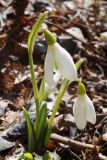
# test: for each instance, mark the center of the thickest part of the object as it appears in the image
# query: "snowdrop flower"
(56, 78)
(83, 108)
(57, 56)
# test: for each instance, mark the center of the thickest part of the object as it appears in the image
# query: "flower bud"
(50, 38)
(81, 89)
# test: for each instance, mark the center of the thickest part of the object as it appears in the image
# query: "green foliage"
(31, 133)
(44, 91)
(41, 127)
(35, 30)
(39, 132)
(35, 130)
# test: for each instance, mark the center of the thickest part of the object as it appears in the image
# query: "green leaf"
(31, 133)
(43, 91)
(31, 41)
(35, 30)
(41, 126)
(48, 133)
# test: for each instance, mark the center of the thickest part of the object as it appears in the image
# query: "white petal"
(48, 68)
(56, 76)
(79, 112)
(90, 111)
(65, 63)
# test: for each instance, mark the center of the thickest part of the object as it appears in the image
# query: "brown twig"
(73, 143)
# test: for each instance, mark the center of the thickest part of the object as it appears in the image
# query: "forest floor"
(65, 18)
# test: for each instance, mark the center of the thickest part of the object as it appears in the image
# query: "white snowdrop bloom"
(56, 78)
(47, 89)
(83, 110)
(56, 55)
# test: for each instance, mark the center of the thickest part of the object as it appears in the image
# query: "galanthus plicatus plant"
(59, 59)
(83, 108)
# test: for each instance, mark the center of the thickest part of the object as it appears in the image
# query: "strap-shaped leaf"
(41, 90)
(44, 91)
(41, 126)
(35, 30)
(31, 133)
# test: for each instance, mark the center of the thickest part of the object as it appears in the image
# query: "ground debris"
(78, 26)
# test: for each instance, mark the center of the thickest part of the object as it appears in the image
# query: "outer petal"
(90, 111)
(79, 112)
(48, 68)
(65, 63)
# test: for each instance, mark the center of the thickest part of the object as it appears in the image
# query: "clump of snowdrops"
(59, 59)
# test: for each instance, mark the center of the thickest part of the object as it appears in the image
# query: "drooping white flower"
(47, 88)
(83, 109)
(56, 55)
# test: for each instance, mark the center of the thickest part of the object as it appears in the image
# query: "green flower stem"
(34, 83)
(62, 90)
(78, 63)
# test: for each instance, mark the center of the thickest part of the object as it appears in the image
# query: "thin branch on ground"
(73, 143)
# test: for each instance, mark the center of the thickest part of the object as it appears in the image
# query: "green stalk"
(62, 90)
(58, 100)
(31, 42)
(34, 83)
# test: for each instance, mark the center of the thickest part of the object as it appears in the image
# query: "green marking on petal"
(50, 38)
(81, 89)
